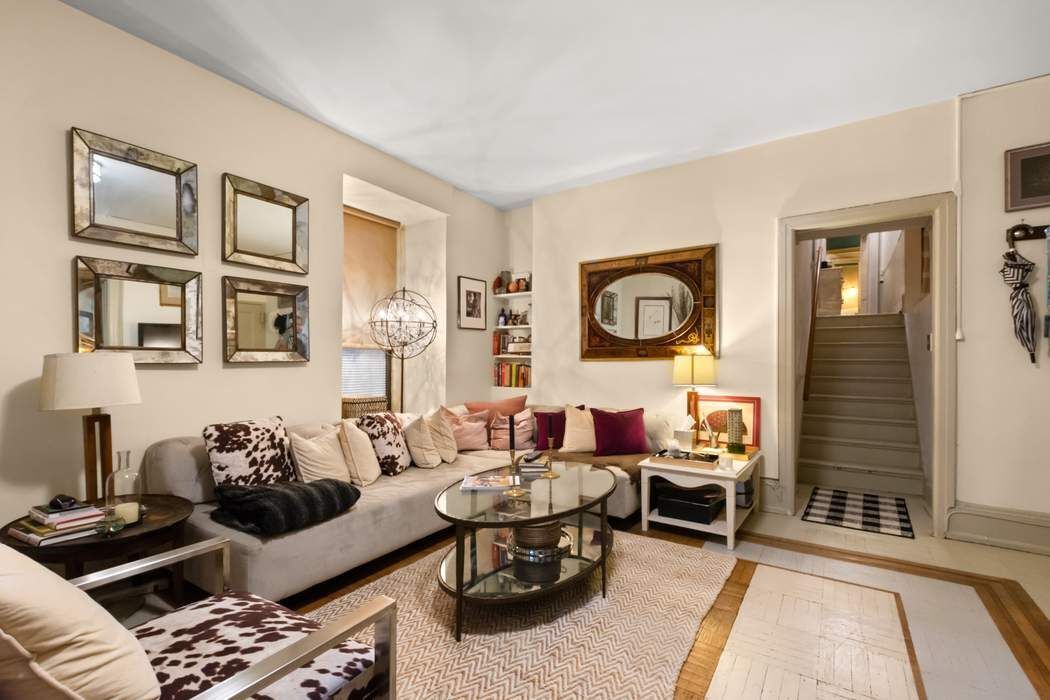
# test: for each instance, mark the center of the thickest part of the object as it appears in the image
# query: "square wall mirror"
(133, 196)
(152, 312)
(264, 226)
(266, 321)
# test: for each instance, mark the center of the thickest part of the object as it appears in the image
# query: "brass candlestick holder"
(550, 473)
(515, 491)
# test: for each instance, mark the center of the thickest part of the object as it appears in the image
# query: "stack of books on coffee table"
(46, 525)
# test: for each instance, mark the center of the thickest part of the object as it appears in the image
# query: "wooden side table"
(686, 476)
(162, 525)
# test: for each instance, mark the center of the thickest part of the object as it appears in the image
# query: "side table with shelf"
(688, 476)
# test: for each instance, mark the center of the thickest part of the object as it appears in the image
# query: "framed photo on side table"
(472, 312)
(714, 409)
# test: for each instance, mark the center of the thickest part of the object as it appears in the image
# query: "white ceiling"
(510, 99)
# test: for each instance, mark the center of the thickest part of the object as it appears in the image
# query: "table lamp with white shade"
(694, 370)
(90, 380)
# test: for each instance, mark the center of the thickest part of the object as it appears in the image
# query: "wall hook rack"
(1025, 232)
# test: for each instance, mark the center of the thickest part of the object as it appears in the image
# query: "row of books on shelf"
(516, 374)
(46, 525)
(506, 344)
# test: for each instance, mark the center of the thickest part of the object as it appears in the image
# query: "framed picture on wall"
(652, 316)
(1028, 177)
(472, 312)
(714, 408)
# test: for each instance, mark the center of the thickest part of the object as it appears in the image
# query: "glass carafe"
(124, 491)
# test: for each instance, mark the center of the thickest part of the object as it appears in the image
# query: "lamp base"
(97, 438)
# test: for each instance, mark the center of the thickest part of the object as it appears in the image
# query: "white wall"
(918, 324)
(891, 273)
(64, 68)
(421, 269)
(733, 200)
(1004, 400)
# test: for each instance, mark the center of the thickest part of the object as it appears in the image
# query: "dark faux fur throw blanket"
(275, 509)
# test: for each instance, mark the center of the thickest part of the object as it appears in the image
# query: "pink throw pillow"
(619, 432)
(508, 407)
(470, 431)
(500, 437)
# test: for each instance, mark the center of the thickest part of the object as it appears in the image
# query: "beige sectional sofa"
(391, 513)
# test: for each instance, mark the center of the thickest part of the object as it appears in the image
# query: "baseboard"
(773, 499)
(1025, 530)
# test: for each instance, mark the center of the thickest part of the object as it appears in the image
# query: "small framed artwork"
(170, 295)
(1028, 177)
(714, 408)
(608, 309)
(472, 313)
(652, 317)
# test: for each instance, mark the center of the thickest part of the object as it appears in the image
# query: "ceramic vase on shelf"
(124, 491)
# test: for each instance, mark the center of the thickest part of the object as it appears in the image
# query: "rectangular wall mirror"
(152, 312)
(264, 226)
(266, 321)
(648, 306)
(133, 196)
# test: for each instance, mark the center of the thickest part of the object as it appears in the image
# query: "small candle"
(510, 420)
(128, 512)
(550, 428)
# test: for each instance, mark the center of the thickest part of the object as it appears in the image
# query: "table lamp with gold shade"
(693, 370)
(90, 380)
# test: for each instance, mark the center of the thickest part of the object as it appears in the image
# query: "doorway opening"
(866, 344)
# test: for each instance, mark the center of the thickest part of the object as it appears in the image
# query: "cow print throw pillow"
(249, 453)
(388, 441)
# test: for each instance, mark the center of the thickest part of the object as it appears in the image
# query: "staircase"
(858, 425)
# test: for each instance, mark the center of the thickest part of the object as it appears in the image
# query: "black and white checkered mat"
(859, 511)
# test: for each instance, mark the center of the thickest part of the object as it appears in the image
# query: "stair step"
(860, 477)
(860, 451)
(860, 367)
(899, 387)
(860, 320)
(863, 406)
(881, 349)
(861, 427)
(860, 333)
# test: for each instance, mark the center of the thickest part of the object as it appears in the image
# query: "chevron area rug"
(572, 644)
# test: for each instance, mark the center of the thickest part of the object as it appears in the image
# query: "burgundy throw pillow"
(619, 432)
(556, 420)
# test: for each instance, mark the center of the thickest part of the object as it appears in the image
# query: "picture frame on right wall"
(1027, 172)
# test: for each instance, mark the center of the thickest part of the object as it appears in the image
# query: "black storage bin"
(700, 505)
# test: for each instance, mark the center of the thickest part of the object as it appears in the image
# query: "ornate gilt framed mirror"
(264, 226)
(265, 321)
(649, 306)
(133, 196)
(152, 312)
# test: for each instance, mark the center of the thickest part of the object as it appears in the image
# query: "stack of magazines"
(488, 483)
(46, 525)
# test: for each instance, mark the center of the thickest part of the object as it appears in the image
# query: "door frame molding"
(941, 209)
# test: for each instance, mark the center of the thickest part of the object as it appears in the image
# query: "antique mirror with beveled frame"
(665, 303)
(264, 227)
(152, 312)
(133, 196)
(265, 321)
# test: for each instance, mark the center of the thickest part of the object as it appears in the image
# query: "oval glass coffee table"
(510, 548)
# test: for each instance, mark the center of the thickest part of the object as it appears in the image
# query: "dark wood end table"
(162, 525)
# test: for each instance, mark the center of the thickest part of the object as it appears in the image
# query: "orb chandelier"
(404, 324)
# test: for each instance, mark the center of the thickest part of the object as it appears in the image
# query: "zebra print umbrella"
(1015, 271)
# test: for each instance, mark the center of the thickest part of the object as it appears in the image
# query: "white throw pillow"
(658, 431)
(320, 457)
(579, 430)
(421, 446)
(442, 436)
(361, 461)
(56, 642)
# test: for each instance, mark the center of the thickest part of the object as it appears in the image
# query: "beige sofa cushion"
(443, 437)
(55, 641)
(361, 460)
(579, 430)
(421, 445)
(320, 457)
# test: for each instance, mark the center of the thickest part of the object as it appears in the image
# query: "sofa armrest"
(159, 561)
(380, 611)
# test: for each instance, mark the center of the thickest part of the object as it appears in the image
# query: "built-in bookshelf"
(512, 336)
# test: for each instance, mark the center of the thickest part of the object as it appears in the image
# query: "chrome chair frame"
(380, 611)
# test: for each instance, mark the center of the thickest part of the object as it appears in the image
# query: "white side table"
(730, 519)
